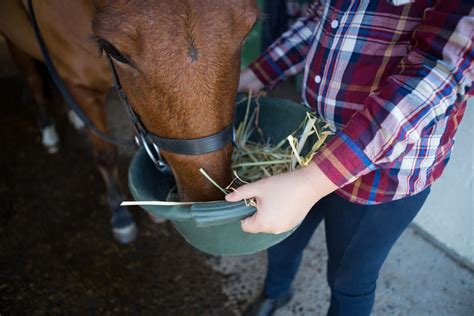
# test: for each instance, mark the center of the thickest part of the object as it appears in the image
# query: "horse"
(178, 62)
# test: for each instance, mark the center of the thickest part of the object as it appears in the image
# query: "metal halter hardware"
(153, 153)
(150, 142)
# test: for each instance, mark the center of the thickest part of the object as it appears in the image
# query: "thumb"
(246, 191)
(251, 224)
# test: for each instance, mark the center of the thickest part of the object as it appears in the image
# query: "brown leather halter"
(152, 143)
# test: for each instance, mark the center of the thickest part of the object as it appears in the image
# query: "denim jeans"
(358, 238)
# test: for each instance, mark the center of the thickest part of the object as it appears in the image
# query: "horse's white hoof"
(75, 121)
(123, 226)
(50, 139)
(125, 235)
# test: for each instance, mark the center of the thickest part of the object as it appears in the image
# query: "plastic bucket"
(214, 227)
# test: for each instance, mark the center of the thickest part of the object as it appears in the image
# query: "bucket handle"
(218, 213)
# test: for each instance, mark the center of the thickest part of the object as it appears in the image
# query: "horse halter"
(150, 142)
(153, 143)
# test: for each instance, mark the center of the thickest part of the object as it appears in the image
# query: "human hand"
(283, 200)
(249, 82)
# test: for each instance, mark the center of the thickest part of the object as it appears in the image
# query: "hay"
(156, 203)
(255, 160)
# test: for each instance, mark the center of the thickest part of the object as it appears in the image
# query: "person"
(391, 78)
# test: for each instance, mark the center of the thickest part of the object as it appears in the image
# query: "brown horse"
(178, 61)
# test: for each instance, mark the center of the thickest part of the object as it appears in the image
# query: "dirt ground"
(57, 254)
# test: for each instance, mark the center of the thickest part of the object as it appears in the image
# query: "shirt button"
(334, 24)
(317, 79)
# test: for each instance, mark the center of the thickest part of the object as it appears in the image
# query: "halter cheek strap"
(62, 88)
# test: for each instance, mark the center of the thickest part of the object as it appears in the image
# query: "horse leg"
(34, 81)
(106, 157)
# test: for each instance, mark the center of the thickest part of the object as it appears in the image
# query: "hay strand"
(208, 177)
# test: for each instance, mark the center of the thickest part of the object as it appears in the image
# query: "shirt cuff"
(342, 160)
(267, 71)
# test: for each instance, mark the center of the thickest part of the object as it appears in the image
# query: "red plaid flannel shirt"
(391, 77)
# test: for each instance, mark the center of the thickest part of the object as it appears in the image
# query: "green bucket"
(214, 227)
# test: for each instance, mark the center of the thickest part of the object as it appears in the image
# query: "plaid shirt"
(391, 77)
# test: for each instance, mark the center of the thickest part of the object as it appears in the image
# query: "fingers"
(244, 192)
(255, 224)
(249, 82)
(250, 225)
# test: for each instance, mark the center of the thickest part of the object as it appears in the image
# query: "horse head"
(179, 64)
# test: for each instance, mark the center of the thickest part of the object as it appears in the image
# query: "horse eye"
(113, 52)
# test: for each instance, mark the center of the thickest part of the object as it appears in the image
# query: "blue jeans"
(358, 238)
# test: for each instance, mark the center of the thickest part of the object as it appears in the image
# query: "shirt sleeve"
(435, 75)
(286, 56)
